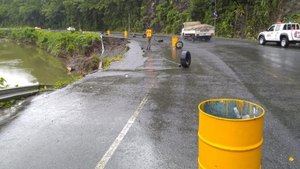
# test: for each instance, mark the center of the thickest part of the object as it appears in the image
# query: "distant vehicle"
(282, 33)
(197, 31)
(72, 29)
(37, 28)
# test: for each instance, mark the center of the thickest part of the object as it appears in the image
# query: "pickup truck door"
(270, 33)
(276, 34)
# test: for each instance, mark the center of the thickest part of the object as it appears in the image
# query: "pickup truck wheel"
(193, 38)
(284, 42)
(207, 39)
(262, 40)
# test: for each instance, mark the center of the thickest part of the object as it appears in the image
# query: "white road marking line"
(109, 153)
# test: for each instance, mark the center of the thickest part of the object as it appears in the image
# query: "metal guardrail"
(18, 92)
(135, 33)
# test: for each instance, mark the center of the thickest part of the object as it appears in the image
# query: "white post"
(101, 38)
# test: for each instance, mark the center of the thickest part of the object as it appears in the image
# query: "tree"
(236, 18)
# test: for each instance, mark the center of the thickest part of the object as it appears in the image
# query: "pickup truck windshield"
(271, 28)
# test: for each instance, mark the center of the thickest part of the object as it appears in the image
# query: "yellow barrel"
(230, 134)
(174, 53)
(175, 40)
(108, 32)
(126, 34)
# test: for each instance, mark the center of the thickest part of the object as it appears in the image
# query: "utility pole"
(129, 21)
(215, 14)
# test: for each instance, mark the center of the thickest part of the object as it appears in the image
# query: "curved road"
(142, 113)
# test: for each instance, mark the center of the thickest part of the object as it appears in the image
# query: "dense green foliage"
(7, 104)
(107, 61)
(57, 43)
(63, 83)
(2, 83)
(237, 18)
(242, 18)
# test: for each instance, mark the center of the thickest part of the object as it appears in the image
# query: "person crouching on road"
(149, 35)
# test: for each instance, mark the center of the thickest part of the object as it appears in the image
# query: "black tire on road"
(262, 40)
(185, 59)
(284, 42)
(179, 45)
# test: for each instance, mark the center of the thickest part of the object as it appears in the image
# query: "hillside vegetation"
(236, 18)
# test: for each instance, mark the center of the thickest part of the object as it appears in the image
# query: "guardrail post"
(125, 34)
(108, 33)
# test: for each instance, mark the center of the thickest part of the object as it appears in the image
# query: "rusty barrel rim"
(228, 119)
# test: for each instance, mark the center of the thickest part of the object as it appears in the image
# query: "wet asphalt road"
(74, 127)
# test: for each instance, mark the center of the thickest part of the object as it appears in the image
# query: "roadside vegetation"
(5, 104)
(74, 48)
(71, 47)
(63, 83)
(245, 19)
(80, 51)
(236, 18)
(3, 83)
(107, 61)
(57, 43)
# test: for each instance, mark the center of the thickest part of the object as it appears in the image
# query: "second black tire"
(185, 59)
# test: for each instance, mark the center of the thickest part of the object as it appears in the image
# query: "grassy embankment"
(78, 50)
(65, 45)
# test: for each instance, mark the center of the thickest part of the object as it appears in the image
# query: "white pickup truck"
(282, 33)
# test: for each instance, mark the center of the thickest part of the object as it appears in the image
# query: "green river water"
(27, 65)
